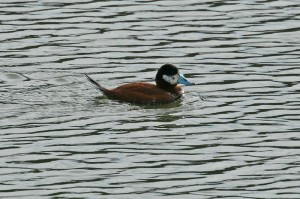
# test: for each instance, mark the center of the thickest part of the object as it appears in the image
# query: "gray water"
(235, 135)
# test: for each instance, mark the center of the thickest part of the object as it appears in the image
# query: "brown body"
(144, 93)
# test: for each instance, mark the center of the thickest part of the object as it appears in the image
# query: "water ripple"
(235, 134)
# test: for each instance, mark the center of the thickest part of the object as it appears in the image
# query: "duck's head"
(168, 75)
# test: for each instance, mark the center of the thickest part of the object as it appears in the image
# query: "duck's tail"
(95, 84)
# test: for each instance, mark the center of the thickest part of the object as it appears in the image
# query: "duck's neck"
(165, 86)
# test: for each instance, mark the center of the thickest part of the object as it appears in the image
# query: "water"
(236, 135)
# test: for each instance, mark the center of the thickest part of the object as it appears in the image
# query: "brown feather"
(143, 93)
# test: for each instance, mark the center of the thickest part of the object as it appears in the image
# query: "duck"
(166, 90)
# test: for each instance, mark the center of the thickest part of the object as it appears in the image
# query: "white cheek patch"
(173, 80)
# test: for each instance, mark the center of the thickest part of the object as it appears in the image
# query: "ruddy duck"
(165, 91)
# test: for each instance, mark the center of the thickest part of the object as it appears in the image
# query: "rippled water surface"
(235, 135)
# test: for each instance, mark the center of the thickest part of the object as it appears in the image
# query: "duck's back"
(143, 93)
